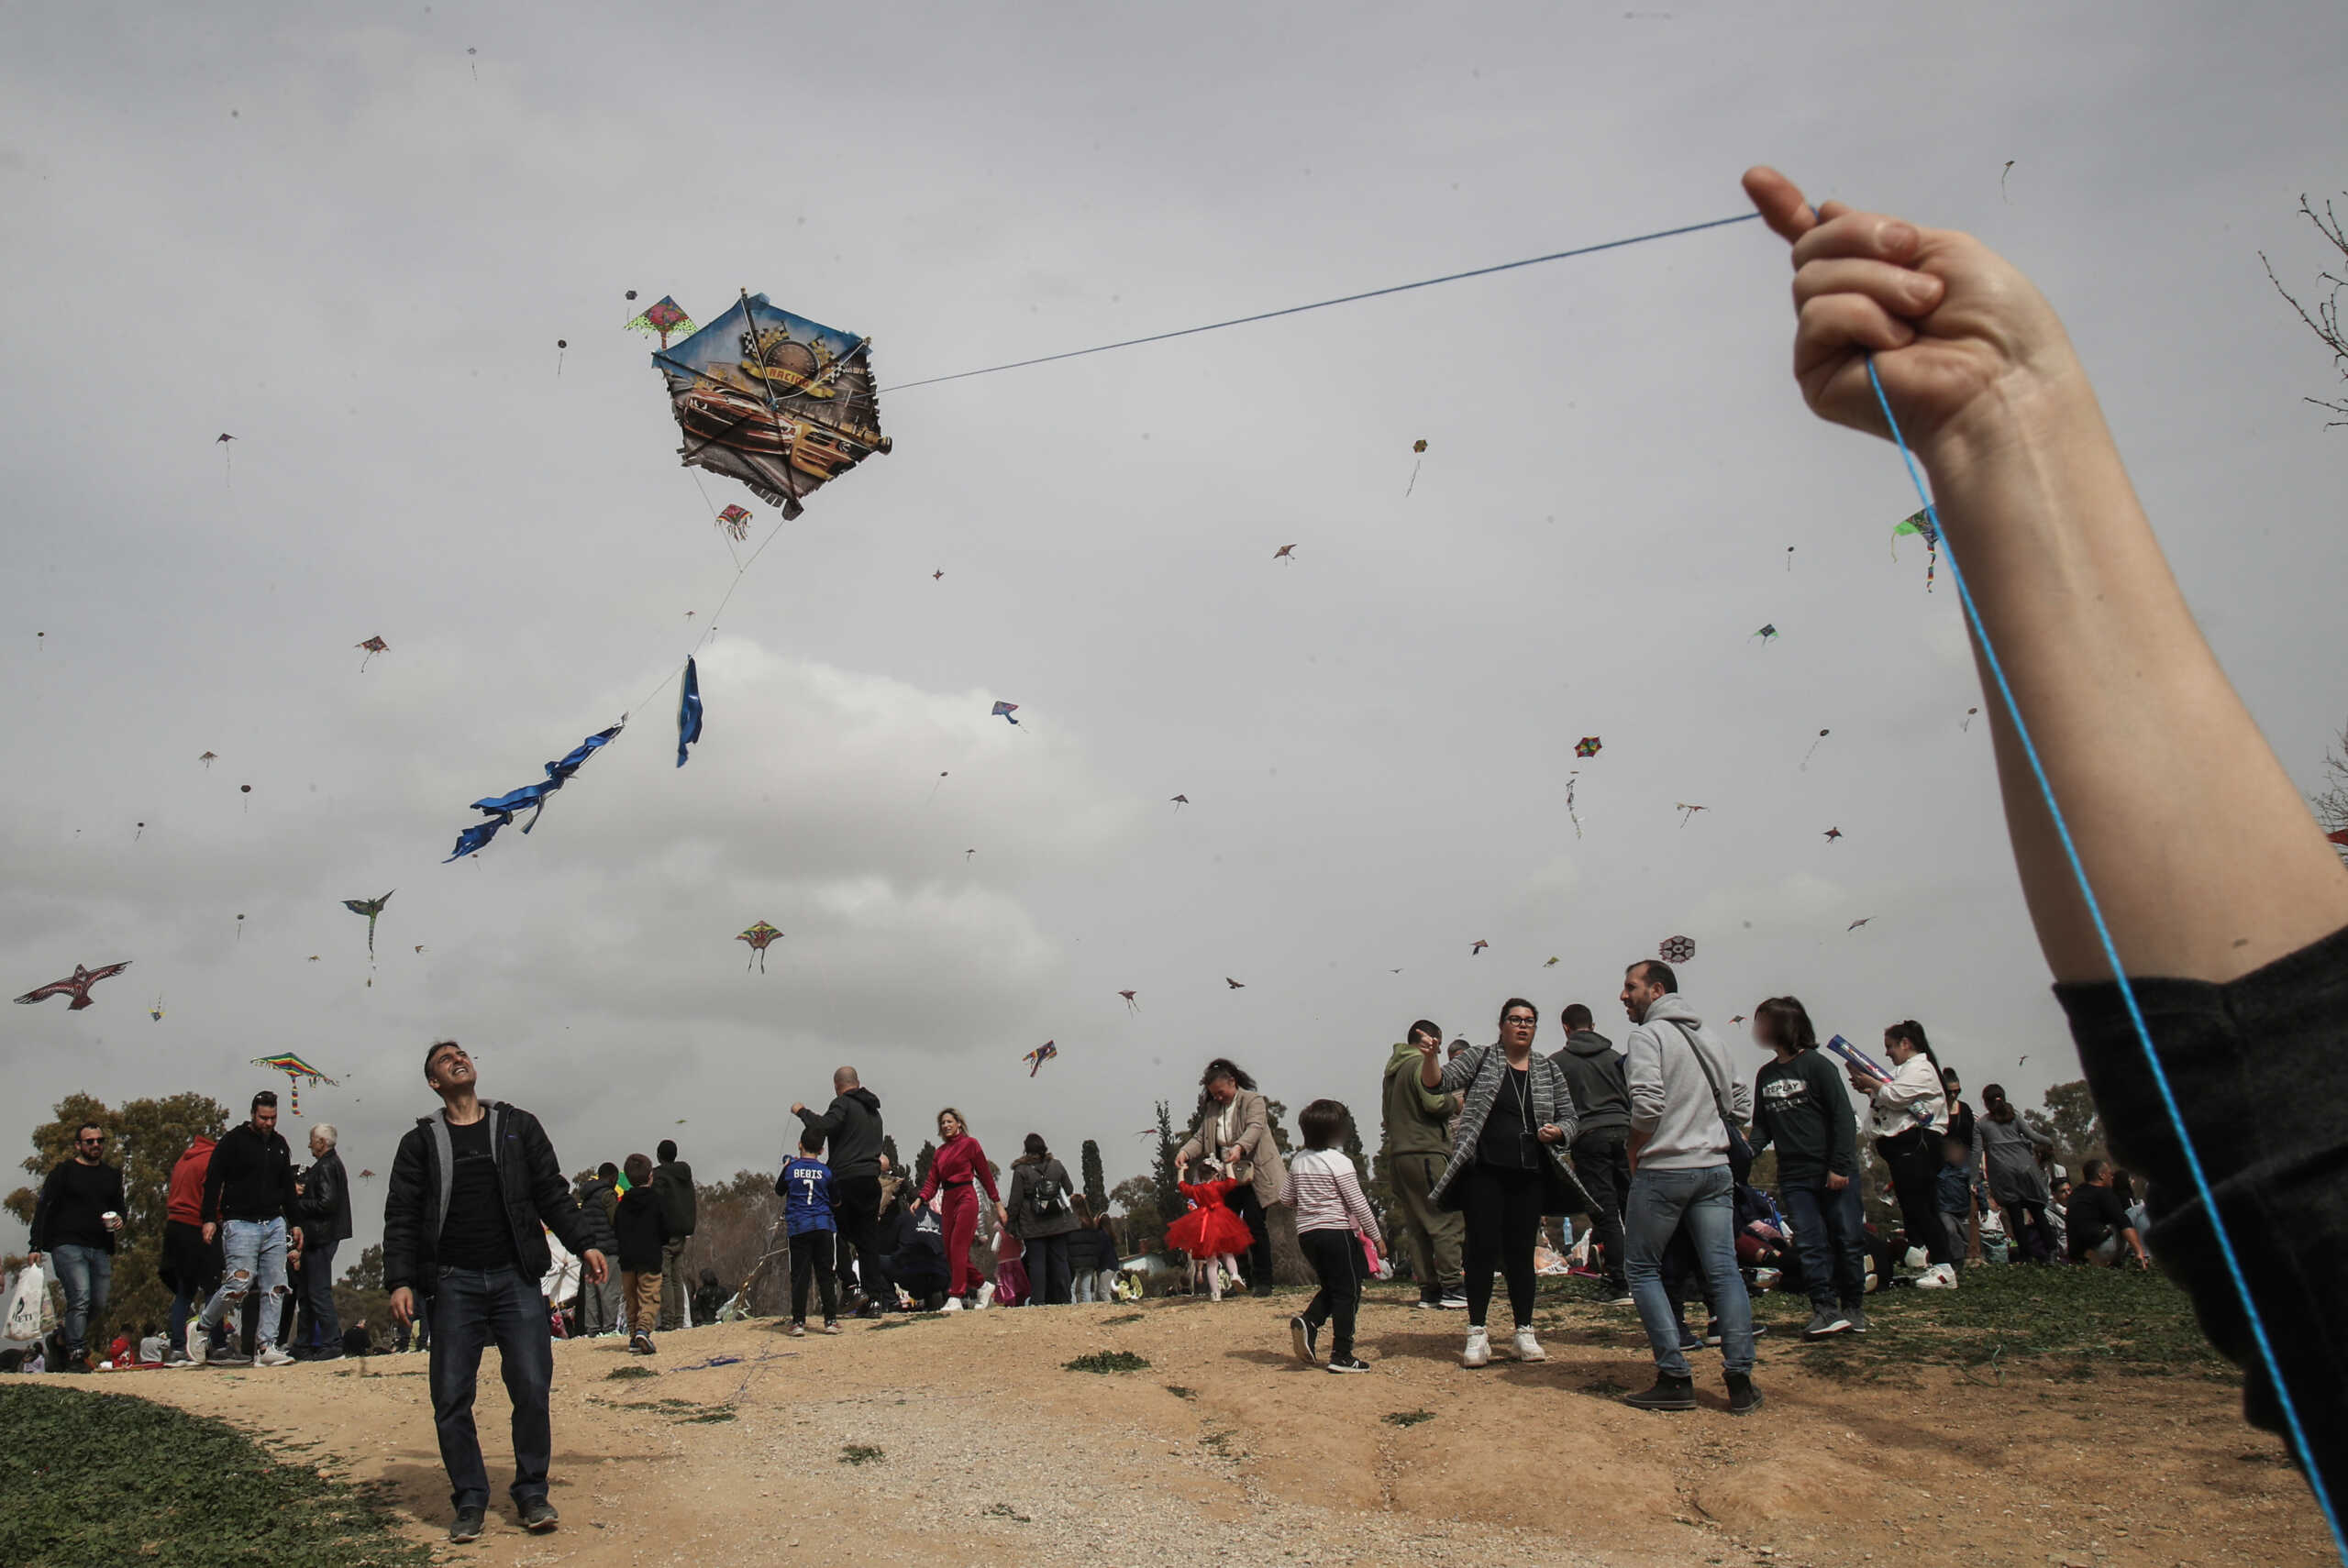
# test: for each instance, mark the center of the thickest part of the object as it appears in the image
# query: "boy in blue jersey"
(808, 1221)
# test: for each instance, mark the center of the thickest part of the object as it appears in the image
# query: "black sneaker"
(1263, 1289)
(1347, 1363)
(1668, 1393)
(539, 1516)
(1742, 1398)
(1825, 1322)
(467, 1524)
(1300, 1335)
(1858, 1315)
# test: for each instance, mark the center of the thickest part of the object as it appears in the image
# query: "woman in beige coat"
(1235, 1133)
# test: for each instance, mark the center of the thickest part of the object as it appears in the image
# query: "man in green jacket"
(1416, 1149)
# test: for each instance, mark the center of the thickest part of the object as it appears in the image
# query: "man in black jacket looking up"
(852, 1127)
(324, 1211)
(672, 1182)
(249, 1204)
(468, 1191)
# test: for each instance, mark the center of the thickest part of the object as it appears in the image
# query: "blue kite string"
(2127, 992)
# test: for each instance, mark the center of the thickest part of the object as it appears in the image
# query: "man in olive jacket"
(469, 1190)
(1417, 1146)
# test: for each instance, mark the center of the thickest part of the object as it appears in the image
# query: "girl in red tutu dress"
(1212, 1232)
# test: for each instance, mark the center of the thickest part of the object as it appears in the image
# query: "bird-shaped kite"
(1285, 553)
(1478, 947)
(1676, 949)
(1687, 813)
(663, 317)
(1234, 985)
(1131, 1005)
(371, 646)
(758, 936)
(1857, 924)
(370, 908)
(1768, 633)
(77, 987)
(1180, 801)
(1813, 749)
(208, 759)
(938, 575)
(366, 1176)
(1039, 1056)
(1588, 745)
(736, 521)
(1004, 710)
(1833, 833)
(295, 1070)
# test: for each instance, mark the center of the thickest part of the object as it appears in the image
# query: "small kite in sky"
(1790, 558)
(1768, 633)
(1966, 723)
(1234, 985)
(1920, 523)
(937, 576)
(371, 646)
(1180, 801)
(1131, 1005)
(965, 856)
(1737, 1018)
(139, 834)
(1687, 813)
(1857, 924)
(1676, 949)
(1588, 745)
(419, 948)
(758, 936)
(1551, 964)
(736, 521)
(561, 347)
(1286, 553)
(156, 1012)
(500, 808)
(1813, 750)
(1004, 710)
(2001, 182)
(1420, 448)
(1833, 833)
(228, 458)
(663, 317)
(241, 928)
(295, 1069)
(370, 908)
(1480, 945)
(688, 711)
(208, 759)
(1039, 1056)
(77, 986)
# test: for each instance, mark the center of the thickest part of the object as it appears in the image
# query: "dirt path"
(990, 1451)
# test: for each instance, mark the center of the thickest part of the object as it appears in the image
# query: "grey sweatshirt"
(1671, 1099)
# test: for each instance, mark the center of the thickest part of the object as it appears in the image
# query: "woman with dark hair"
(2010, 1154)
(1233, 1132)
(960, 1163)
(1800, 1104)
(1041, 1211)
(1507, 1166)
(1911, 1117)
(1960, 1115)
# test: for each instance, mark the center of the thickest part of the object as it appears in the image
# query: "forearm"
(2199, 849)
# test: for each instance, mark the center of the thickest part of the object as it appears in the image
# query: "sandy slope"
(992, 1452)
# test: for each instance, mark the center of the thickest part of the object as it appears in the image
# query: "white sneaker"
(271, 1356)
(199, 1345)
(986, 1295)
(1480, 1349)
(1528, 1348)
(953, 1304)
(1940, 1277)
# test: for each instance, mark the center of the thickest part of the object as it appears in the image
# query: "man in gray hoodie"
(1684, 1093)
(1593, 1070)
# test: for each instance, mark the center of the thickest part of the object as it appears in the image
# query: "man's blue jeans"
(322, 1327)
(472, 1308)
(87, 1274)
(1660, 1202)
(255, 1251)
(1830, 1233)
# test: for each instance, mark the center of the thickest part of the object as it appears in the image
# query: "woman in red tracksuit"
(959, 1163)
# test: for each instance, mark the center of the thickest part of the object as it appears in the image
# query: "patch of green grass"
(861, 1453)
(1120, 1318)
(1181, 1393)
(1406, 1418)
(89, 1477)
(1109, 1361)
(628, 1373)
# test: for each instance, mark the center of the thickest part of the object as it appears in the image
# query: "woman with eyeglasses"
(1507, 1166)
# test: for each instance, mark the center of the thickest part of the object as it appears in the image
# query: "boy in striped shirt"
(1326, 1192)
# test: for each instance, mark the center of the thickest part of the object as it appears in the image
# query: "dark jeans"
(1602, 1161)
(1915, 1160)
(2026, 1223)
(472, 1307)
(87, 1274)
(811, 1260)
(1047, 1271)
(1503, 1220)
(1830, 1232)
(1336, 1259)
(1244, 1202)
(855, 1206)
(321, 1325)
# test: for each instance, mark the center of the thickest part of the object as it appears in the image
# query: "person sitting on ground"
(916, 1261)
(812, 1227)
(643, 1232)
(709, 1297)
(1325, 1189)
(2098, 1221)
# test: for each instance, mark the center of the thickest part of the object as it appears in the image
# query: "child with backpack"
(812, 1227)
(1325, 1190)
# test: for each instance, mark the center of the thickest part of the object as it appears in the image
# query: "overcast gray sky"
(353, 244)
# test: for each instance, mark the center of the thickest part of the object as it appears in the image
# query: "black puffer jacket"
(325, 1204)
(529, 1177)
(852, 1127)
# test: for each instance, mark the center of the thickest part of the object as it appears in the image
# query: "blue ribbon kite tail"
(500, 808)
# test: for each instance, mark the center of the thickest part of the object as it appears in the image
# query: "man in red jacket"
(189, 1266)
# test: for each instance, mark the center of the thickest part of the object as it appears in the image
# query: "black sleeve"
(289, 1202)
(46, 1210)
(323, 1195)
(406, 1202)
(1842, 1126)
(2259, 1068)
(830, 1122)
(550, 1194)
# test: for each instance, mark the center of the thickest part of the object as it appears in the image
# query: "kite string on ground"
(1323, 304)
(2299, 1443)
